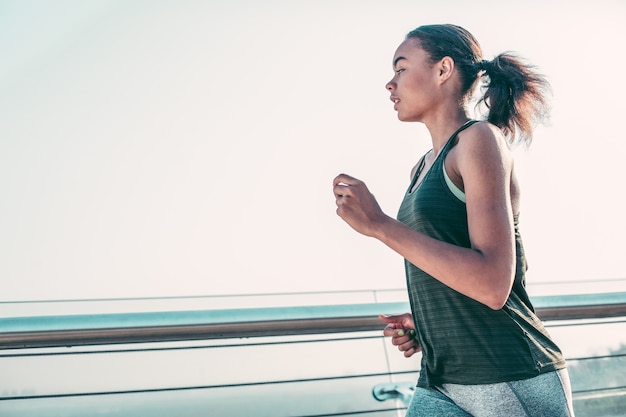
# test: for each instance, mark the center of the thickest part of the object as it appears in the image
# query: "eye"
(399, 70)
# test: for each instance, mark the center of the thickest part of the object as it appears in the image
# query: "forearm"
(484, 277)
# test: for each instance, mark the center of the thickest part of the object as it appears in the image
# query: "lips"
(395, 101)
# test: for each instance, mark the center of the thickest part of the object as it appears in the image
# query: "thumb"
(389, 319)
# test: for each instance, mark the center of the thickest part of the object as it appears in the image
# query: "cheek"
(413, 93)
(412, 87)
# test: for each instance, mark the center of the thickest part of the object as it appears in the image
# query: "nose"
(390, 86)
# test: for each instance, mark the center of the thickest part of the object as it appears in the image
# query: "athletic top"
(464, 341)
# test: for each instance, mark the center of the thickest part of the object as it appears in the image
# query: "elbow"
(492, 277)
(500, 291)
(497, 299)
(497, 303)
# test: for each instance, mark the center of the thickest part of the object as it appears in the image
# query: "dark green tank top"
(464, 341)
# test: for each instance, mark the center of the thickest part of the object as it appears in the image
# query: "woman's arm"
(484, 272)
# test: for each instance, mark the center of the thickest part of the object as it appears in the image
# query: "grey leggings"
(546, 395)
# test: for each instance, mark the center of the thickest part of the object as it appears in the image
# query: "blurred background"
(160, 148)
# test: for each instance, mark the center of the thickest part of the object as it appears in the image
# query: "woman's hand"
(357, 206)
(401, 329)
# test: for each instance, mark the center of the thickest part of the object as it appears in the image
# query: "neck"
(442, 128)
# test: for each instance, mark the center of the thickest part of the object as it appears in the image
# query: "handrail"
(98, 329)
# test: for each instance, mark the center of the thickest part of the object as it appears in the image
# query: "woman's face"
(412, 87)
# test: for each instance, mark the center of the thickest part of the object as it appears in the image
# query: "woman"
(484, 351)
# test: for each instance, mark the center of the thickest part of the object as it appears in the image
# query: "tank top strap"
(448, 145)
(439, 159)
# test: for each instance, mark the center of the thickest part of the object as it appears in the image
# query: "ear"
(445, 67)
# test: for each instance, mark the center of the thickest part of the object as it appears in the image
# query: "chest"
(430, 207)
(421, 170)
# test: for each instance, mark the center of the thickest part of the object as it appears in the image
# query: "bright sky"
(165, 148)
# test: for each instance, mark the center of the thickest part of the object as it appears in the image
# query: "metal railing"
(98, 329)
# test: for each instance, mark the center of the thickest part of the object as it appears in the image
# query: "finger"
(410, 352)
(345, 179)
(408, 345)
(391, 330)
(401, 340)
(389, 319)
(341, 190)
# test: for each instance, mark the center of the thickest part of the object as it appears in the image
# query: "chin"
(404, 118)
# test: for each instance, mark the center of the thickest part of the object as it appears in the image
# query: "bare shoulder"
(481, 134)
(482, 141)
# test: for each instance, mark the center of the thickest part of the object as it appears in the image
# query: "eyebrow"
(395, 61)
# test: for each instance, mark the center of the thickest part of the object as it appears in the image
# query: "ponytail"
(515, 96)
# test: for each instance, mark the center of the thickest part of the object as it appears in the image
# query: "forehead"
(410, 50)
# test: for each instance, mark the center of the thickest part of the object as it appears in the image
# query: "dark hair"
(513, 92)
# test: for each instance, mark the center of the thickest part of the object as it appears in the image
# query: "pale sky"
(173, 148)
